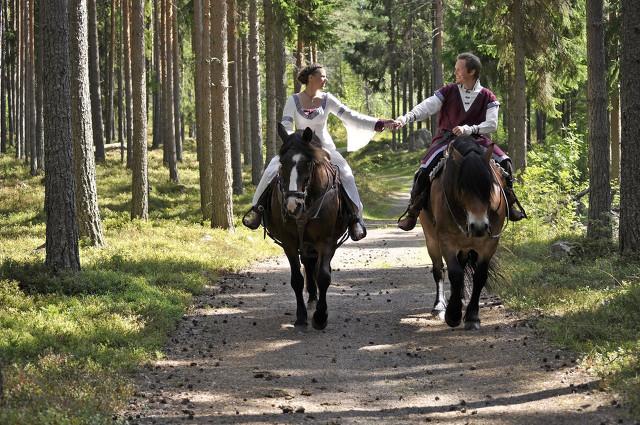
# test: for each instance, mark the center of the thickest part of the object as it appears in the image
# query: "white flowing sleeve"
(360, 127)
(288, 115)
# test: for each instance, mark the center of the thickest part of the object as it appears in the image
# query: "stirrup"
(409, 222)
(253, 218)
(352, 230)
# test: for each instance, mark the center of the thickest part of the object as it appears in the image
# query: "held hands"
(394, 124)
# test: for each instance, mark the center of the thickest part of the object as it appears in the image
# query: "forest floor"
(236, 357)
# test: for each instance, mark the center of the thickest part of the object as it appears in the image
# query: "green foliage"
(67, 341)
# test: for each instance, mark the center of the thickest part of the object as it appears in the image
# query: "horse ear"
(282, 132)
(489, 153)
(457, 156)
(307, 135)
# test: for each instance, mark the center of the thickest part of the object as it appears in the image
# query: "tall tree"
(254, 93)
(157, 119)
(518, 103)
(94, 76)
(236, 146)
(175, 49)
(436, 52)
(599, 225)
(109, 123)
(279, 57)
(62, 251)
(39, 75)
(126, 45)
(630, 148)
(246, 100)
(140, 183)
(3, 86)
(30, 106)
(221, 199)
(88, 214)
(270, 78)
(169, 130)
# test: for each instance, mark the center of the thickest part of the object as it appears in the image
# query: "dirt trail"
(236, 357)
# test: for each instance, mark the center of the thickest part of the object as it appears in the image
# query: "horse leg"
(472, 316)
(433, 247)
(309, 272)
(453, 314)
(297, 283)
(323, 278)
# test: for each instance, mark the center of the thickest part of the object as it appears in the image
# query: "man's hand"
(458, 131)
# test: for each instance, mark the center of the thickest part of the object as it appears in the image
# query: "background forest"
(132, 133)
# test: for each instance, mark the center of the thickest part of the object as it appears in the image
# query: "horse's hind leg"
(433, 247)
(472, 315)
(323, 274)
(309, 271)
(297, 283)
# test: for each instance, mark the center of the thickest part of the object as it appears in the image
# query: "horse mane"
(475, 176)
(311, 149)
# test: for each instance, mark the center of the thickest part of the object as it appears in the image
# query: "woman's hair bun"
(303, 75)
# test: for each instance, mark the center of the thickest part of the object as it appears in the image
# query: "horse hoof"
(438, 314)
(319, 323)
(300, 323)
(453, 323)
(472, 325)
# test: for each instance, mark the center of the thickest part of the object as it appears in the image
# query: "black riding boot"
(253, 218)
(419, 197)
(357, 230)
(512, 200)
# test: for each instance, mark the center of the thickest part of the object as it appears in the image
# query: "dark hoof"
(319, 321)
(438, 314)
(300, 323)
(472, 325)
(453, 315)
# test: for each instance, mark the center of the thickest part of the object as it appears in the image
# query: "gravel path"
(236, 357)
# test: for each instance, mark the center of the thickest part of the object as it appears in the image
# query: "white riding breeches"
(346, 177)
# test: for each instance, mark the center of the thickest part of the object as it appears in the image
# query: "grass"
(67, 342)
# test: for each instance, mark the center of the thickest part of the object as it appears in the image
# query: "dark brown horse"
(463, 223)
(306, 217)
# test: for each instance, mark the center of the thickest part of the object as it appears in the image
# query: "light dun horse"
(462, 223)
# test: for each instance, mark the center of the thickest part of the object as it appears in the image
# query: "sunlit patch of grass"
(66, 341)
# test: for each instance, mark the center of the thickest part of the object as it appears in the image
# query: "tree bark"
(541, 127)
(246, 104)
(436, 53)
(88, 214)
(168, 116)
(62, 252)
(236, 145)
(95, 81)
(31, 87)
(222, 201)
(177, 124)
(157, 89)
(3, 86)
(615, 133)
(599, 224)
(39, 76)
(270, 77)
(112, 50)
(140, 183)
(279, 59)
(518, 103)
(630, 149)
(126, 44)
(254, 93)
(204, 125)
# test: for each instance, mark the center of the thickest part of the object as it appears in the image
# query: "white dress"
(360, 130)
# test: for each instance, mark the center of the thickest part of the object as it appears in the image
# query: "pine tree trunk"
(126, 44)
(31, 87)
(3, 86)
(62, 252)
(94, 75)
(199, 83)
(270, 89)
(541, 124)
(240, 82)
(222, 201)
(140, 183)
(299, 61)
(157, 97)
(20, 152)
(254, 93)
(175, 46)
(246, 103)
(599, 224)
(279, 60)
(236, 144)
(88, 214)
(615, 133)
(39, 76)
(112, 49)
(204, 126)
(436, 54)
(168, 92)
(630, 148)
(518, 103)
(121, 112)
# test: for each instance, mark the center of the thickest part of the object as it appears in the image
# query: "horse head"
(470, 184)
(300, 153)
